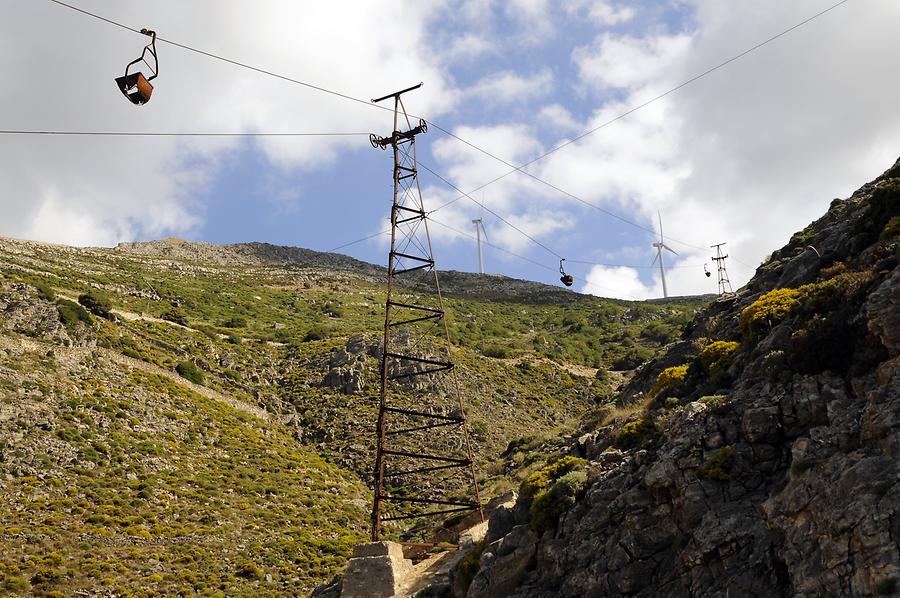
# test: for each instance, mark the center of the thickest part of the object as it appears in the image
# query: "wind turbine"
(659, 256)
(479, 228)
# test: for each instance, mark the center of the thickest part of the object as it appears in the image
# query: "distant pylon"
(724, 283)
(659, 256)
(423, 458)
(479, 227)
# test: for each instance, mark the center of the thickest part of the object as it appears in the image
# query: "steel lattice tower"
(719, 259)
(421, 431)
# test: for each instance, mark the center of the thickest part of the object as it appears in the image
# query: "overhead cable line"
(605, 265)
(474, 146)
(222, 58)
(470, 144)
(495, 214)
(665, 93)
(170, 134)
(621, 116)
(372, 236)
(489, 244)
(522, 257)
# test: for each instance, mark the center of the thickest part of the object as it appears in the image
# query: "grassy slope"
(250, 507)
(127, 480)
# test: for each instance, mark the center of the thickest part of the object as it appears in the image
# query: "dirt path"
(74, 355)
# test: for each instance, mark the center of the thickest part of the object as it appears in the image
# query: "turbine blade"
(660, 226)
(484, 232)
(670, 249)
(656, 257)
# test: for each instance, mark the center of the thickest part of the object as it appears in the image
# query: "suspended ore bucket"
(566, 279)
(135, 87)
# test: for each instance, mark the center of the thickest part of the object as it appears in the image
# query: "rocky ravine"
(786, 481)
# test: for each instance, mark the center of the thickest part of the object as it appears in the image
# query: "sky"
(746, 155)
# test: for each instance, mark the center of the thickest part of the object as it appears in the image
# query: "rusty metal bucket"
(135, 87)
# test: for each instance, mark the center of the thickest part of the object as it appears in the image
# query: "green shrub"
(718, 466)
(70, 313)
(175, 315)
(189, 371)
(318, 332)
(767, 310)
(495, 351)
(45, 292)
(714, 402)
(667, 378)
(96, 303)
(828, 336)
(469, 565)
(636, 433)
(550, 503)
(16, 584)
(479, 429)
(631, 359)
(250, 570)
(235, 322)
(542, 478)
(891, 230)
(660, 332)
(717, 355)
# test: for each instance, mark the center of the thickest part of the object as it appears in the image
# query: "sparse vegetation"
(891, 230)
(189, 371)
(668, 378)
(550, 503)
(718, 466)
(636, 433)
(96, 303)
(542, 478)
(175, 315)
(717, 355)
(153, 460)
(469, 565)
(767, 310)
(552, 489)
(70, 313)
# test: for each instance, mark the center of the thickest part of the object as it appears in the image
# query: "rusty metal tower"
(719, 259)
(423, 461)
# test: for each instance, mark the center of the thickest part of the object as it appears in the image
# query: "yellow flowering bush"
(717, 355)
(768, 309)
(667, 378)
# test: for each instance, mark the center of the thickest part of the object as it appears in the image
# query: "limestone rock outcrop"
(778, 475)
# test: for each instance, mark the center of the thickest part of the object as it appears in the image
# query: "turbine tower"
(479, 228)
(659, 256)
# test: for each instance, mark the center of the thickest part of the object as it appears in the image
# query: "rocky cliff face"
(764, 456)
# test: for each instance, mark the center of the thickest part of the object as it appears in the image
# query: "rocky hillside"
(760, 456)
(189, 418)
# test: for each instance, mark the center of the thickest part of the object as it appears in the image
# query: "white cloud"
(751, 153)
(619, 283)
(507, 87)
(519, 200)
(599, 11)
(534, 17)
(467, 47)
(558, 117)
(102, 190)
(623, 61)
